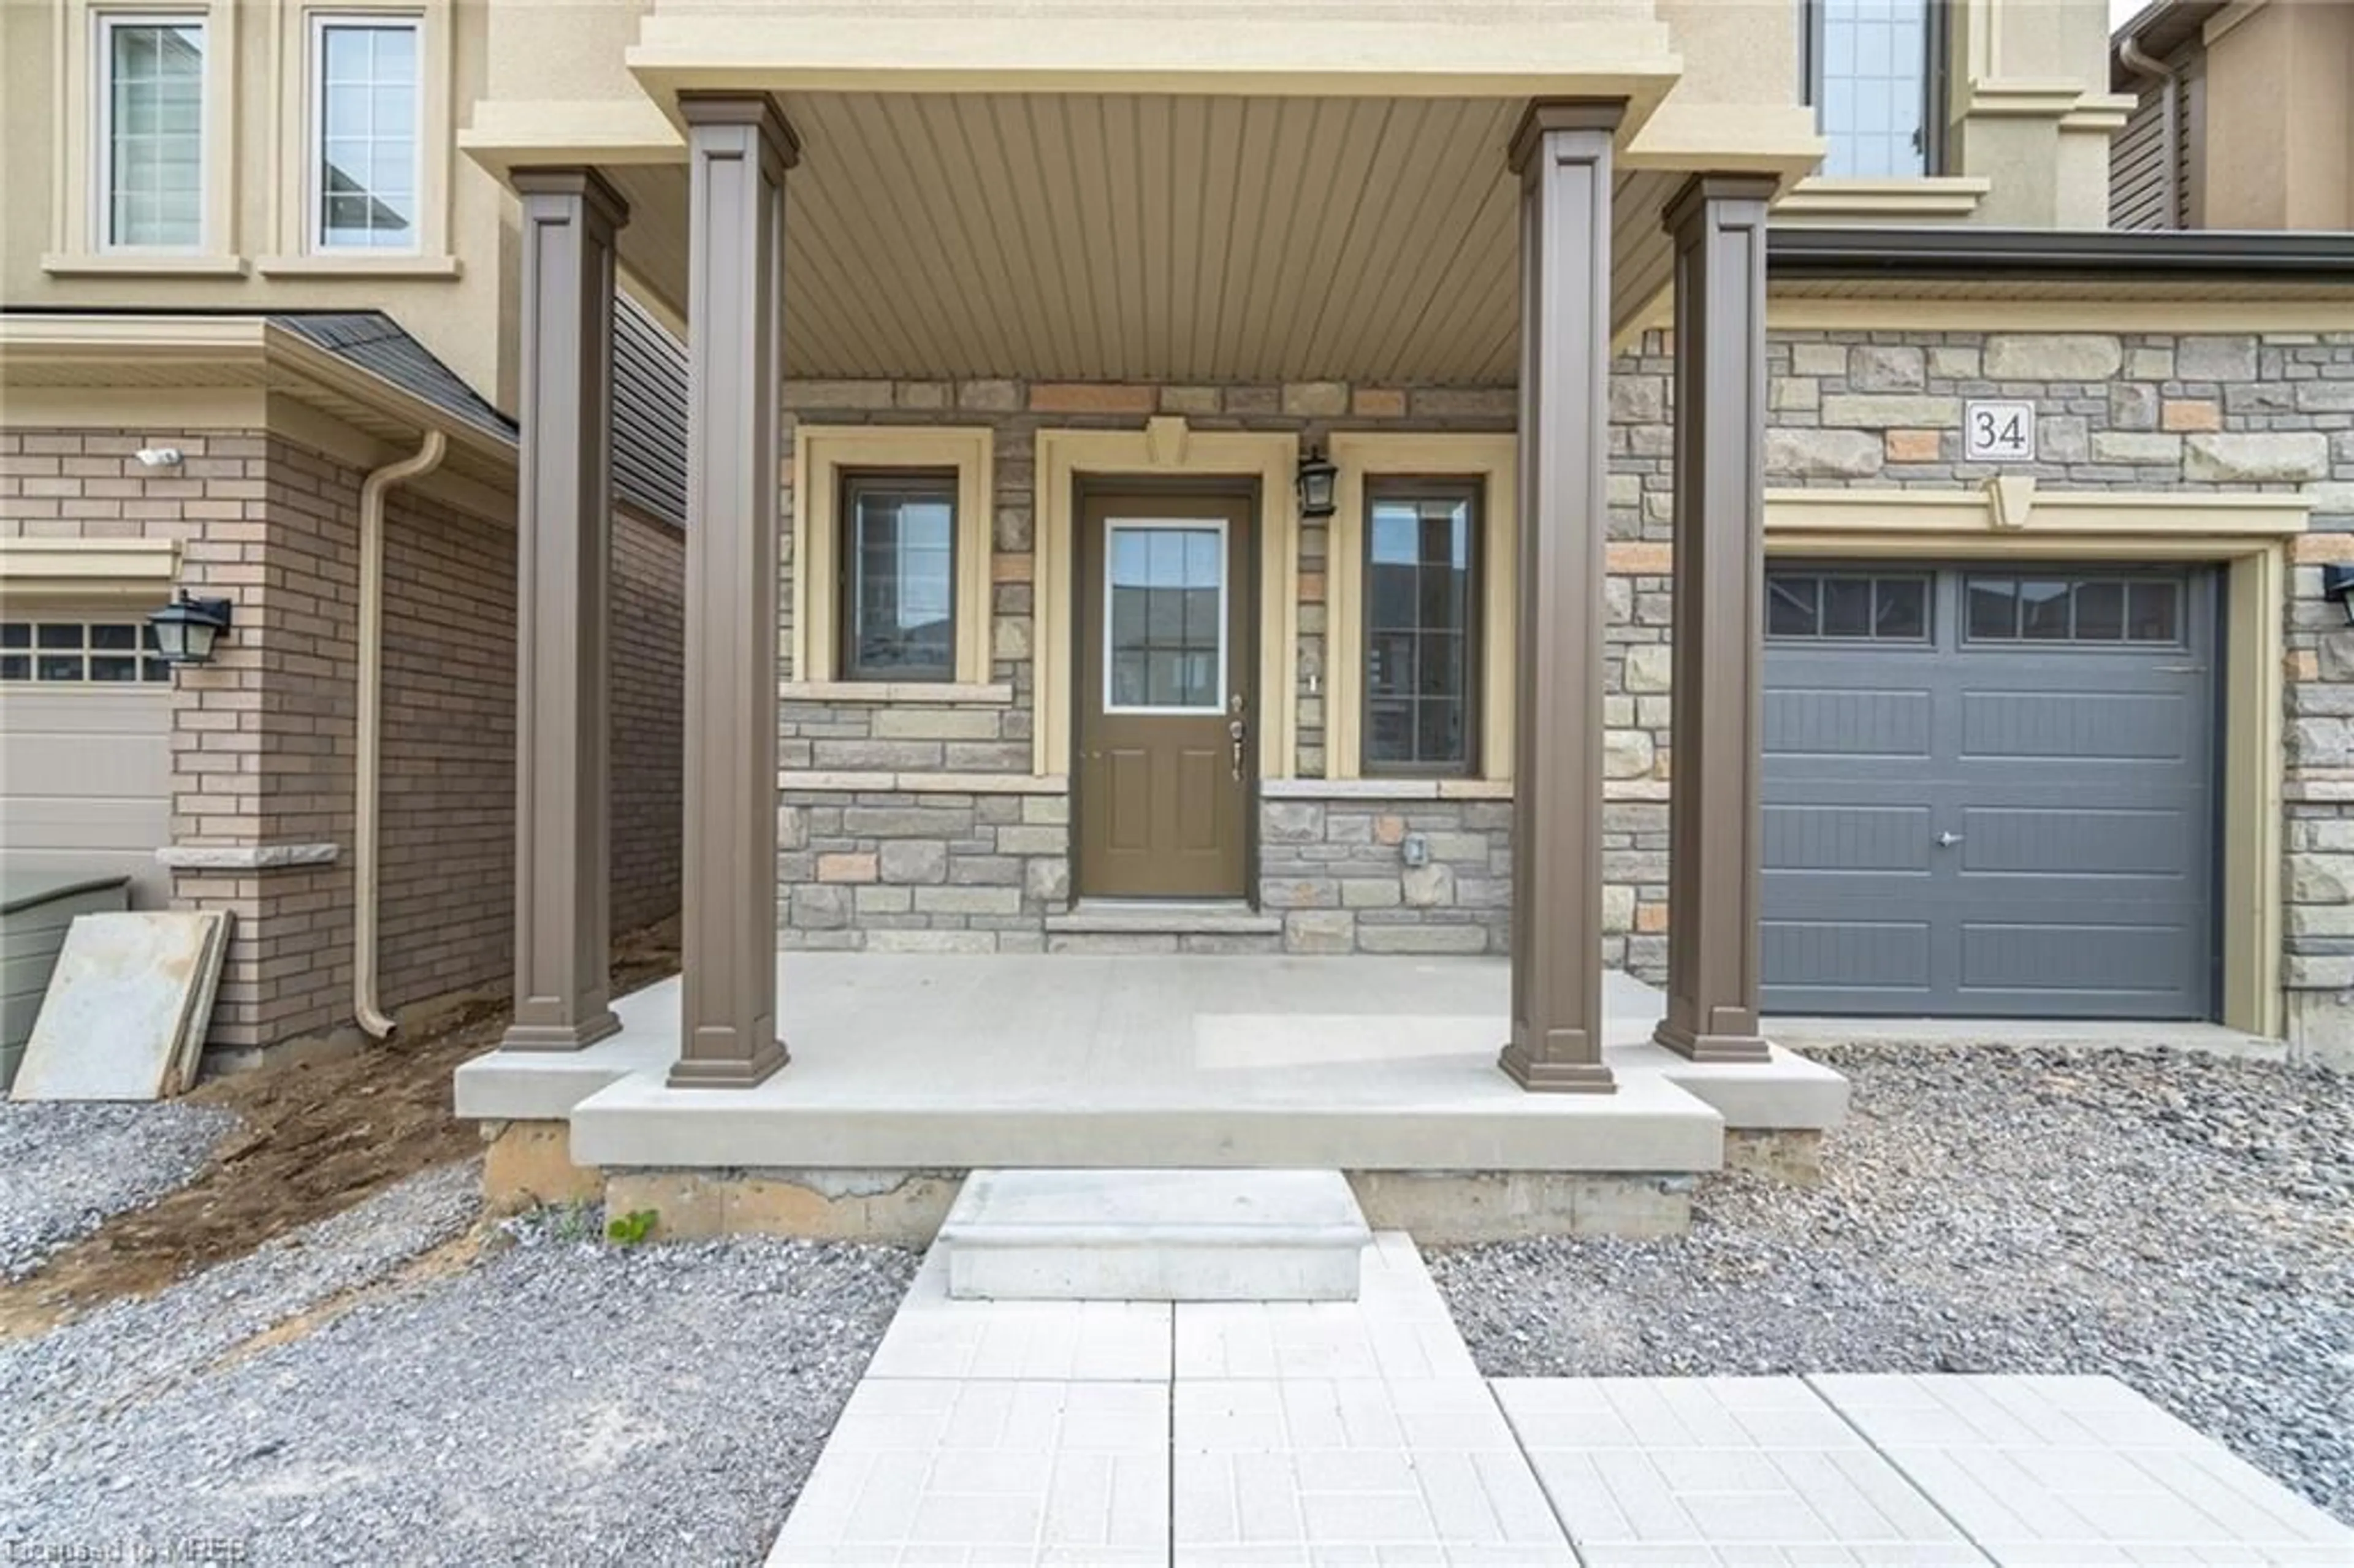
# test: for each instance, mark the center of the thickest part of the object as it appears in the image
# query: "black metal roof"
(371, 340)
(2118, 255)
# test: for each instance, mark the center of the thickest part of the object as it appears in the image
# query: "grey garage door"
(1990, 792)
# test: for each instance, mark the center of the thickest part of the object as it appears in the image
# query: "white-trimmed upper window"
(150, 133)
(366, 97)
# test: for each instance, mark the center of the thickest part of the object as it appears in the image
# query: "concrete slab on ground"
(1339, 1435)
(956, 1062)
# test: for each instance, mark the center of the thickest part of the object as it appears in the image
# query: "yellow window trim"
(1494, 461)
(821, 454)
(1166, 446)
(2247, 534)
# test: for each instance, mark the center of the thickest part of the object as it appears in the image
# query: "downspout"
(2129, 51)
(373, 491)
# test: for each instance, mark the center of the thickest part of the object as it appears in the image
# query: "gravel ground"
(65, 1167)
(553, 1400)
(2183, 1223)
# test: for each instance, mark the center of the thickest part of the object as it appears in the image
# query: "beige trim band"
(877, 783)
(946, 693)
(86, 568)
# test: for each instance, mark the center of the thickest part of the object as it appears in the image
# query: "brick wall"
(263, 738)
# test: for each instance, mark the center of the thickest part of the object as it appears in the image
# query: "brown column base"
(560, 1036)
(697, 1072)
(1548, 1074)
(1698, 1047)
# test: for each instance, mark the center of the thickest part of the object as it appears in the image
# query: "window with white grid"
(364, 108)
(1870, 79)
(80, 652)
(151, 106)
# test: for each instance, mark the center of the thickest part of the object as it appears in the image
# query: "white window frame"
(102, 165)
(314, 132)
(1226, 613)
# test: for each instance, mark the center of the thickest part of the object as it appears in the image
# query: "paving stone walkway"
(1359, 1434)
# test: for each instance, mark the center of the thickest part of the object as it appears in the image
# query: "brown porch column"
(738, 149)
(1561, 154)
(564, 533)
(1719, 224)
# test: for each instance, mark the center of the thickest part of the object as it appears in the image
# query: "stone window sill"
(1386, 789)
(359, 265)
(976, 694)
(141, 264)
(1819, 199)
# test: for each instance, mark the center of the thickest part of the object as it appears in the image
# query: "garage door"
(1990, 792)
(85, 750)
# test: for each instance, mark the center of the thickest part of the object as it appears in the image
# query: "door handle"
(1237, 731)
(1947, 840)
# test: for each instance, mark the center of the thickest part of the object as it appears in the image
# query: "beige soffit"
(2245, 533)
(1820, 198)
(1324, 48)
(822, 455)
(1188, 238)
(1168, 449)
(55, 569)
(507, 134)
(100, 368)
(1365, 455)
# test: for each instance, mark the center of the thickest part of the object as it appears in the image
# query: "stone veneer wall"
(2138, 411)
(263, 737)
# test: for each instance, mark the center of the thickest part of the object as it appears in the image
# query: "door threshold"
(1165, 916)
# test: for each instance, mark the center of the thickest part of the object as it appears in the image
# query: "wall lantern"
(186, 629)
(2338, 587)
(1316, 478)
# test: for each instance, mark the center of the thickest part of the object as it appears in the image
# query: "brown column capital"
(1550, 114)
(1714, 815)
(754, 112)
(599, 205)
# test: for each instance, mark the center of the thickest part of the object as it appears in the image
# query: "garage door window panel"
(73, 653)
(2074, 610)
(1847, 606)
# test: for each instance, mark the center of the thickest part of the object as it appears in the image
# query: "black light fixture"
(185, 630)
(1317, 477)
(2338, 587)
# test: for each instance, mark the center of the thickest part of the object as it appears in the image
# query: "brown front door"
(1165, 701)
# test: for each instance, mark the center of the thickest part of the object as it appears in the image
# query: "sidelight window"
(1421, 645)
(1872, 70)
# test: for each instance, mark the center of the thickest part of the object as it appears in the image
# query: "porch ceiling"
(1140, 237)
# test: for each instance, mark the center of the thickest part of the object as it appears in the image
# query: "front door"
(1165, 705)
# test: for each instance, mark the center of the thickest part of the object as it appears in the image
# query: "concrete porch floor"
(944, 1063)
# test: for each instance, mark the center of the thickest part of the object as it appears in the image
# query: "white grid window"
(80, 652)
(1871, 86)
(150, 103)
(363, 110)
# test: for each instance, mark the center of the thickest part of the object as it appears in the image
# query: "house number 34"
(1998, 431)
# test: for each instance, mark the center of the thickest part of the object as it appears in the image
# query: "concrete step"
(1163, 917)
(1154, 1236)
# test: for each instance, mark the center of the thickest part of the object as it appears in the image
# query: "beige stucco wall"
(456, 297)
(2279, 149)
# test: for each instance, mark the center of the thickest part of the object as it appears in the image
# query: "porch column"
(564, 539)
(1713, 846)
(738, 149)
(1561, 154)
